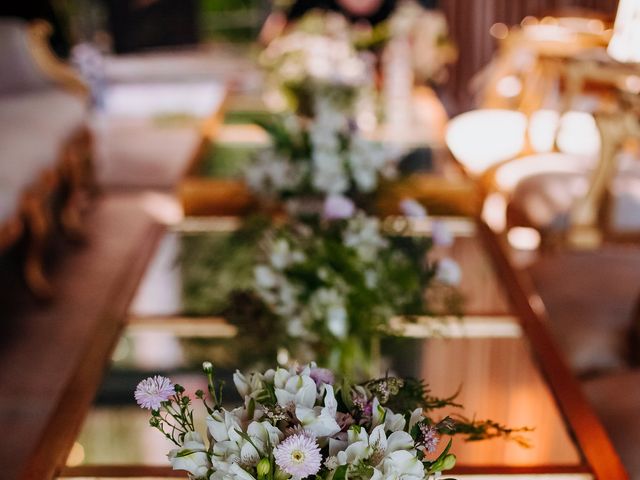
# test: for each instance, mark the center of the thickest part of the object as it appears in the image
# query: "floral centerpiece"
(302, 423)
(332, 290)
(432, 49)
(312, 159)
(306, 66)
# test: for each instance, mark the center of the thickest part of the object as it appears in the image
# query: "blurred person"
(369, 12)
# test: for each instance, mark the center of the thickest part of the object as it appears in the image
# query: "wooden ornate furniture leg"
(70, 217)
(585, 231)
(39, 225)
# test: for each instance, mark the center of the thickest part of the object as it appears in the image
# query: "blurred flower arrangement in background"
(432, 50)
(313, 158)
(323, 289)
(328, 289)
(306, 66)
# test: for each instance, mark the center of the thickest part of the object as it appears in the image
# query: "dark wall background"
(140, 24)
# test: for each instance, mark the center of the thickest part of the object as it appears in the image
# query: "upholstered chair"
(43, 140)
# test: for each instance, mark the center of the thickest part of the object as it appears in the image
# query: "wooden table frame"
(589, 434)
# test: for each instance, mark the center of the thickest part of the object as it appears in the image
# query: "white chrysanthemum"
(299, 456)
(152, 391)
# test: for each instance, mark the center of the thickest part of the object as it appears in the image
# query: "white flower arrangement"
(301, 423)
(322, 156)
(304, 67)
(319, 306)
(431, 47)
(330, 289)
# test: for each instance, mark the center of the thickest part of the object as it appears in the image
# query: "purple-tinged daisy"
(152, 391)
(429, 437)
(299, 456)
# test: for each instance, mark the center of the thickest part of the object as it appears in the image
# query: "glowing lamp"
(482, 138)
(625, 42)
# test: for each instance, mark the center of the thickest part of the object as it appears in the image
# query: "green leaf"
(340, 472)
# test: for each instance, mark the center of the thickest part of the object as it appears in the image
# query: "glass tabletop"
(485, 354)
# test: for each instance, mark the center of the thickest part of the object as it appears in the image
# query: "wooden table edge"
(587, 430)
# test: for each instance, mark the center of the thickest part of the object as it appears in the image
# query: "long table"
(499, 353)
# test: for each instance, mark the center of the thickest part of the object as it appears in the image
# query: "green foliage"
(476, 430)
(213, 265)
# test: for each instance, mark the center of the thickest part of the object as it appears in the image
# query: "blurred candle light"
(76, 455)
(499, 31)
(523, 238)
(494, 212)
(632, 84)
(579, 134)
(509, 86)
(543, 125)
(625, 43)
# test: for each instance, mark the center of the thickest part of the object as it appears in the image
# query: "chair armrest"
(57, 71)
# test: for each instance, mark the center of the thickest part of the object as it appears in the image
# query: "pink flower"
(412, 208)
(322, 376)
(448, 271)
(441, 234)
(152, 391)
(337, 207)
(299, 456)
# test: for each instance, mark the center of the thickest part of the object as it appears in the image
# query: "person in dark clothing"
(370, 11)
(356, 11)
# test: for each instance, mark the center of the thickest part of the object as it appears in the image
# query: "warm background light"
(481, 138)
(625, 43)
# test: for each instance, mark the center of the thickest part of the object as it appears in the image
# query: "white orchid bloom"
(238, 473)
(358, 447)
(384, 446)
(250, 386)
(263, 435)
(191, 457)
(400, 465)
(299, 390)
(219, 423)
(378, 413)
(320, 421)
(416, 416)
(394, 422)
(241, 383)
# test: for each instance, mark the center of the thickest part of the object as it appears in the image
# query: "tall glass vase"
(355, 358)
